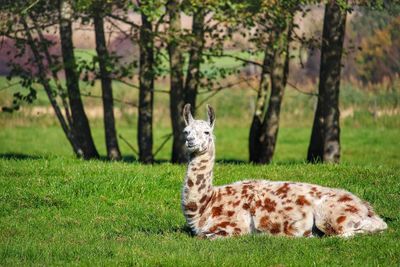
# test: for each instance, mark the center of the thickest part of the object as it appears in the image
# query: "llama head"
(198, 133)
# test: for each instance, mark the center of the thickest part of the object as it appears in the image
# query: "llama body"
(277, 208)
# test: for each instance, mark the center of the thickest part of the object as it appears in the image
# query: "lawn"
(57, 210)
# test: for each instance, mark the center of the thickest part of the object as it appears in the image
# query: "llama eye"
(207, 133)
(186, 132)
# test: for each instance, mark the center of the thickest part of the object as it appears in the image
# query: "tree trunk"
(279, 73)
(195, 58)
(264, 128)
(256, 124)
(47, 88)
(325, 137)
(113, 152)
(80, 123)
(177, 95)
(146, 93)
(54, 73)
(316, 146)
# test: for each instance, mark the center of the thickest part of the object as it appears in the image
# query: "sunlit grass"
(363, 146)
(59, 210)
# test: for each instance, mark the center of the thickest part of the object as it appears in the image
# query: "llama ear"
(187, 116)
(210, 116)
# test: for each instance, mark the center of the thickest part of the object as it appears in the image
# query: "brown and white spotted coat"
(277, 208)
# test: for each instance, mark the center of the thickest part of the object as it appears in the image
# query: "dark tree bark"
(264, 130)
(146, 93)
(195, 59)
(177, 95)
(80, 124)
(113, 152)
(325, 138)
(256, 124)
(279, 73)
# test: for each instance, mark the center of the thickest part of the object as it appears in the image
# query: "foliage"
(368, 19)
(378, 58)
(21, 61)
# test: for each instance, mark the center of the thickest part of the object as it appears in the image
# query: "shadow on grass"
(281, 162)
(183, 229)
(390, 219)
(231, 161)
(220, 161)
(291, 162)
(127, 159)
(20, 156)
(132, 159)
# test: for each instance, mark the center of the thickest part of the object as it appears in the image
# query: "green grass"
(57, 210)
(360, 146)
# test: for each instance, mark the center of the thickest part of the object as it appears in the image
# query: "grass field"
(57, 210)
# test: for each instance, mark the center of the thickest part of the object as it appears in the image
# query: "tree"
(42, 79)
(184, 89)
(149, 12)
(113, 152)
(178, 42)
(177, 95)
(195, 57)
(146, 87)
(259, 112)
(325, 137)
(80, 124)
(278, 77)
(39, 63)
(274, 71)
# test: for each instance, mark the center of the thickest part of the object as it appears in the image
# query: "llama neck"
(197, 189)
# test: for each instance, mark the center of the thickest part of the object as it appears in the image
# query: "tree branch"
(219, 89)
(29, 7)
(237, 58)
(113, 99)
(226, 86)
(297, 89)
(13, 37)
(47, 88)
(167, 137)
(129, 145)
(137, 87)
(157, 26)
(124, 20)
(118, 28)
(53, 72)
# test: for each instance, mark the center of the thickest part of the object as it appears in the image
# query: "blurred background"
(109, 79)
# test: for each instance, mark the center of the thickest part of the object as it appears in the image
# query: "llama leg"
(302, 226)
(228, 227)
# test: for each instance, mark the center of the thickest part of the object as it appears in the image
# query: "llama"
(255, 206)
